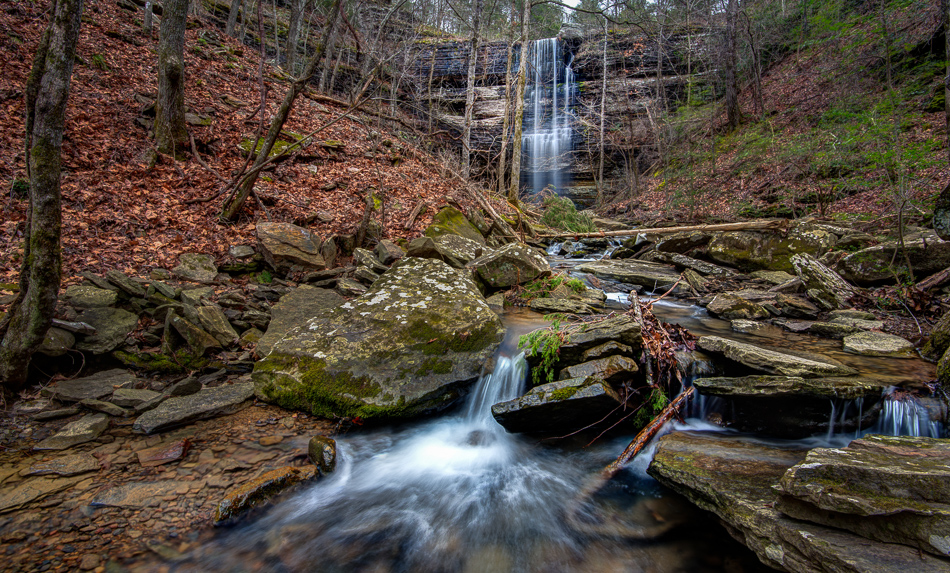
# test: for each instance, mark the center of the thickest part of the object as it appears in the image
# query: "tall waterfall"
(547, 136)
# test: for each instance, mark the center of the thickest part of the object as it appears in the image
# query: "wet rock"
(216, 324)
(732, 476)
(560, 305)
(730, 306)
(95, 386)
(404, 348)
(258, 491)
(207, 403)
(130, 397)
(64, 466)
(112, 326)
(285, 245)
(57, 342)
(32, 490)
(773, 277)
(832, 330)
(450, 221)
(560, 407)
(126, 284)
(831, 289)
(859, 323)
(613, 369)
(55, 414)
(83, 296)
(85, 429)
(322, 452)
(748, 326)
(164, 453)
(891, 489)
(137, 494)
(878, 344)
(762, 250)
(846, 387)
(702, 267)
(620, 329)
(772, 361)
(388, 252)
(926, 252)
(652, 276)
(513, 264)
(196, 267)
(293, 311)
(105, 408)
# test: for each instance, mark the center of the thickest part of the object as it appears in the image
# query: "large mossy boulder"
(926, 252)
(295, 309)
(406, 347)
(451, 221)
(513, 264)
(757, 250)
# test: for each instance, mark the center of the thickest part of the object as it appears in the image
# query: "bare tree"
(506, 120)
(28, 319)
(297, 8)
(519, 107)
(171, 135)
(733, 116)
(470, 93)
(233, 16)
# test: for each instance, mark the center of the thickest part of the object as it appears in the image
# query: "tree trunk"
(603, 114)
(470, 94)
(519, 108)
(171, 135)
(232, 17)
(732, 89)
(945, 14)
(29, 317)
(293, 30)
(506, 122)
(233, 206)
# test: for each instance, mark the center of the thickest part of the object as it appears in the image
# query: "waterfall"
(902, 415)
(547, 136)
(506, 382)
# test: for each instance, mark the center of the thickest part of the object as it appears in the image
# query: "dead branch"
(749, 225)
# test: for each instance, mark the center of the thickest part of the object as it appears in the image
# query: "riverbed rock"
(612, 369)
(732, 476)
(926, 252)
(763, 250)
(702, 267)
(891, 489)
(846, 387)
(85, 429)
(451, 221)
(652, 276)
(388, 252)
(196, 267)
(32, 490)
(513, 264)
(95, 386)
(833, 290)
(112, 326)
(294, 310)
(207, 403)
(285, 245)
(131, 397)
(83, 296)
(406, 347)
(622, 330)
(878, 344)
(70, 465)
(137, 494)
(731, 306)
(258, 491)
(322, 452)
(772, 361)
(561, 407)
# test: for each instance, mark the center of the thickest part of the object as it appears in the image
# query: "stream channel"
(457, 493)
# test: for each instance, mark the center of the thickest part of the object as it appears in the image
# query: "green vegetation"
(652, 405)
(543, 287)
(545, 343)
(560, 213)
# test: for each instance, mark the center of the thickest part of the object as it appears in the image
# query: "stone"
(772, 361)
(702, 267)
(845, 387)
(196, 296)
(241, 251)
(293, 311)
(164, 453)
(730, 306)
(652, 276)
(216, 324)
(130, 397)
(365, 276)
(106, 408)
(451, 221)
(196, 267)
(388, 252)
(367, 259)
(95, 386)
(513, 264)
(136, 494)
(163, 289)
(70, 465)
(198, 341)
(249, 337)
(560, 407)
(256, 318)
(621, 329)
(83, 296)
(33, 490)
(748, 326)
(349, 287)
(560, 305)
(207, 403)
(926, 252)
(850, 313)
(55, 414)
(112, 326)
(890, 489)
(406, 347)
(764, 250)
(186, 387)
(57, 342)
(773, 277)
(732, 476)
(85, 429)
(258, 491)
(832, 330)
(89, 562)
(878, 344)
(683, 242)
(607, 349)
(285, 245)
(613, 369)
(129, 286)
(858, 323)
(322, 452)
(939, 340)
(818, 277)
(454, 250)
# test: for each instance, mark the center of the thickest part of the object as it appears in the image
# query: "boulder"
(763, 250)
(258, 491)
(95, 386)
(701, 267)
(129, 286)
(890, 489)
(196, 267)
(455, 250)
(322, 452)
(216, 324)
(513, 264)
(732, 476)
(926, 252)
(834, 290)
(294, 310)
(57, 342)
(652, 276)
(207, 403)
(285, 245)
(560, 407)
(772, 361)
(612, 369)
(451, 221)
(85, 429)
(878, 344)
(112, 326)
(83, 296)
(731, 306)
(407, 346)
(683, 242)
(388, 252)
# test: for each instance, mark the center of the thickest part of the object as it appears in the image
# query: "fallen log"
(935, 280)
(746, 226)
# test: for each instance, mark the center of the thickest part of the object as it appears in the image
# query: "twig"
(194, 151)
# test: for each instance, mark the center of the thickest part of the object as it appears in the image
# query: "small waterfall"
(547, 138)
(902, 415)
(506, 382)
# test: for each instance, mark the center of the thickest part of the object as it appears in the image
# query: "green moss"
(434, 365)
(564, 393)
(180, 361)
(433, 340)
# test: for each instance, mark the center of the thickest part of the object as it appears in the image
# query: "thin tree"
(297, 8)
(470, 93)
(235, 202)
(29, 317)
(233, 16)
(732, 87)
(171, 134)
(603, 115)
(519, 107)
(506, 121)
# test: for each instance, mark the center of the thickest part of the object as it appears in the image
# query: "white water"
(548, 131)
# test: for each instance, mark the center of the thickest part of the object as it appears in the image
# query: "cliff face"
(633, 64)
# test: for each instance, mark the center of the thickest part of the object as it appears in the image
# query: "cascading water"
(548, 132)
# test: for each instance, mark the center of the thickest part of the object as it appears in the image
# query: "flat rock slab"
(65, 466)
(84, 296)
(208, 403)
(878, 344)
(732, 476)
(130, 397)
(93, 387)
(140, 494)
(196, 267)
(892, 489)
(560, 407)
(164, 453)
(112, 326)
(33, 490)
(847, 387)
(772, 361)
(83, 430)
(260, 490)
(651, 276)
